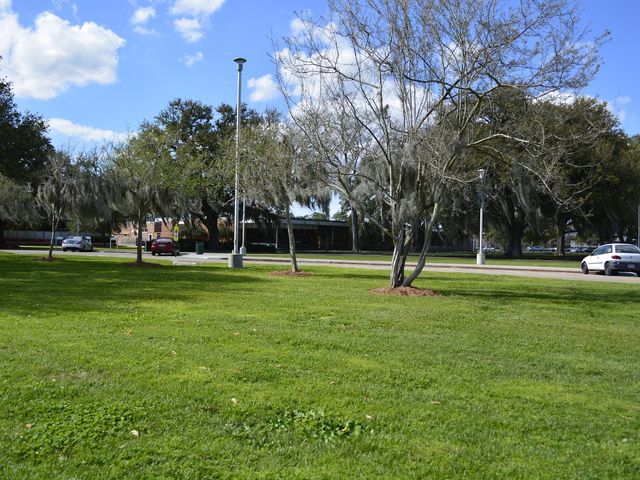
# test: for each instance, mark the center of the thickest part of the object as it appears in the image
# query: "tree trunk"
(211, 222)
(425, 247)
(514, 240)
(292, 241)
(2, 227)
(139, 241)
(560, 243)
(399, 259)
(54, 226)
(212, 228)
(355, 238)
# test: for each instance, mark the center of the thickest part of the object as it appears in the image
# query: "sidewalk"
(382, 264)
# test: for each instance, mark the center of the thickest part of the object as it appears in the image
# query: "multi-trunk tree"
(415, 75)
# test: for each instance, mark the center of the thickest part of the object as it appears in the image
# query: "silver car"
(78, 244)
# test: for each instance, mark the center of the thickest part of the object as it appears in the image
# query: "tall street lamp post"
(243, 248)
(235, 259)
(480, 256)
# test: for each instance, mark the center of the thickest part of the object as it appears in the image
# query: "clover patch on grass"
(310, 425)
(73, 426)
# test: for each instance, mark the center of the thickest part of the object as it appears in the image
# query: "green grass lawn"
(237, 374)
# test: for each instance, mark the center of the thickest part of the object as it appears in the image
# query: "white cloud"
(297, 26)
(194, 16)
(196, 8)
(144, 31)
(45, 60)
(560, 98)
(616, 107)
(190, 60)
(310, 78)
(264, 88)
(189, 28)
(91, 134)
(59, 4)
(143, 15)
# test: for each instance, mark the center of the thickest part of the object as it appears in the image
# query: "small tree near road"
(277, 172)
(135, 187)
(56, 193)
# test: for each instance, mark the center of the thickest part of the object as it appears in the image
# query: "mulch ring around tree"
(406, 292)
(289, 273)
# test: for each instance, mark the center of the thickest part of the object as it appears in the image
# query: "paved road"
(573, 274)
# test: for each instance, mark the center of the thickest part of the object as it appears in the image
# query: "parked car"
(78, 244)
(164, 245)
(612, 258)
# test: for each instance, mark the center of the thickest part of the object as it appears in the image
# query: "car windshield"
(627, 249)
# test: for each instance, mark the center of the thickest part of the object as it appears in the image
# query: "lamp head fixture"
(240, 61)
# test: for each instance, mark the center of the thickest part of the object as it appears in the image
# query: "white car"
(78, 244)
(613, 258)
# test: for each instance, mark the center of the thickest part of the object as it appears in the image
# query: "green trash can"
(199, 248)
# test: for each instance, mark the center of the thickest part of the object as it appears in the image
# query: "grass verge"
(527, 261)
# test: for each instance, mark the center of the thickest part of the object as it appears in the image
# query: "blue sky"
(96, 69)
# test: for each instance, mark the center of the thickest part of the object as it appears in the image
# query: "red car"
(164, 245)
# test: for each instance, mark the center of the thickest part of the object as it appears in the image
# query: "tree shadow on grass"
(560, 294)
(504, 288)
(88, 285)
(381, 275)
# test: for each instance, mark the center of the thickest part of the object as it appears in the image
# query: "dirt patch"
(406, 292)
(289, 273)
(142, 265)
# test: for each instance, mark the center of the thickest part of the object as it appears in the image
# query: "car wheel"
(608, 270)
(64, 249)
(153, 254)
(584, 268)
